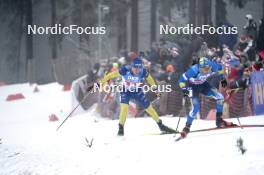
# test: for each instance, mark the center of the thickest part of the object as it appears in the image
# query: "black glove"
(224, 83)
(158, 94)
(89, 88)
(186, 92)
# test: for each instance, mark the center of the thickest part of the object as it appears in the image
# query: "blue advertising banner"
(257, 84)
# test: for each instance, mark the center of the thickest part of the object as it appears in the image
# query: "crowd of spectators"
(166, 60)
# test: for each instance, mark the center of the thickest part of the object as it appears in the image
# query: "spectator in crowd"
(250, 27)
(92, 75)
(227, 39)
(250, 49)
(195, 58)
(114, 66)
(171, 76)
(122, 61)
(260, 41)
(246, 49)
(258, 66)
(154, 53)
(158, 72)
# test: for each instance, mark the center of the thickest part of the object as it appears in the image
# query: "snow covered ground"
(30, 144)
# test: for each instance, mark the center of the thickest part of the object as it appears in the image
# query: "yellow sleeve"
(109, 76)
(150, 80)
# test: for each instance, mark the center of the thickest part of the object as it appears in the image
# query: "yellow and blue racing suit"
(132, 90)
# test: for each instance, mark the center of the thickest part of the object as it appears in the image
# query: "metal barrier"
(239, 104)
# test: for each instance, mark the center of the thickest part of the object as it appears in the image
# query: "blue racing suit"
(197, 82)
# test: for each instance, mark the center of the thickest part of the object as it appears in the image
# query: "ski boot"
(221, 123)
(165, 129)
(120, 130)
(185, 130)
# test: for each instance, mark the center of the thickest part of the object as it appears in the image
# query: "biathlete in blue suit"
(195, 81)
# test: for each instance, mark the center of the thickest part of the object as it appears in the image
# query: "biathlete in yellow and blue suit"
(133, 76)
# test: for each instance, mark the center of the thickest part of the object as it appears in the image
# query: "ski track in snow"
(30, 144)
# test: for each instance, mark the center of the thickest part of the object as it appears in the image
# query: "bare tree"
(53, 39)
(29, 42)
(134, 25)
(122, 8)
(207, 15)
(220, 12)
(153, 21)
(165, 10)
(192, 12)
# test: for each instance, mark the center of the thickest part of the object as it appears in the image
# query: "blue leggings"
(208, 91)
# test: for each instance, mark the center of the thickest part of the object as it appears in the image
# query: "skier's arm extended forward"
(109, 76)
(150, 80)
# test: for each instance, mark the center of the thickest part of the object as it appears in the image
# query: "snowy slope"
(30, 144)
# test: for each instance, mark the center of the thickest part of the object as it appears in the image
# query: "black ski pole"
(183, 105)
(244, 104)
(239, 123)
(178, 124)
(75, 108)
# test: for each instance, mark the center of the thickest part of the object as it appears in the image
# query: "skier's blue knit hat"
(137, 63)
